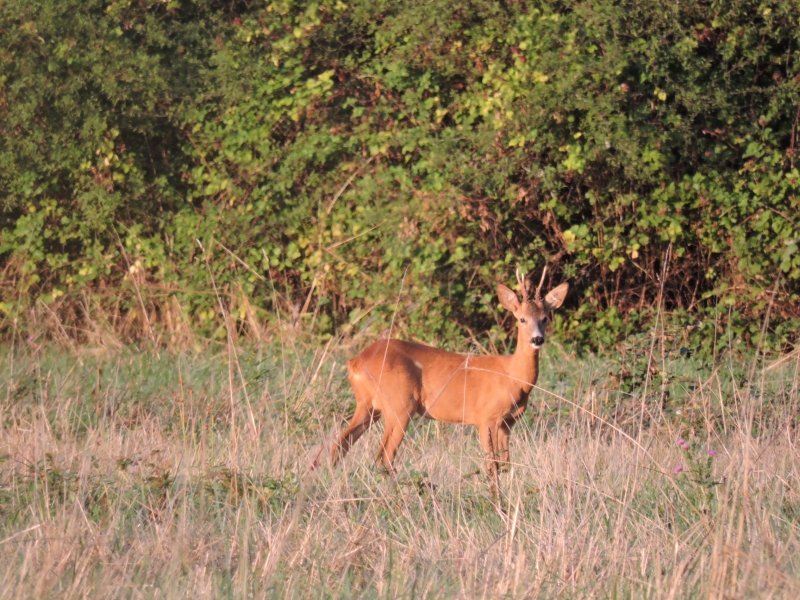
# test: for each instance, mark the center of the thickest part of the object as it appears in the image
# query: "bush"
(331, 146)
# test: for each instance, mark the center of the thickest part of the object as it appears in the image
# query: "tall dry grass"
(135, 474)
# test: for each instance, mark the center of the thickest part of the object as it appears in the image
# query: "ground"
(144, 473)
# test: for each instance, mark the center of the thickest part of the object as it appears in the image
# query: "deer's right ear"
(508, 298)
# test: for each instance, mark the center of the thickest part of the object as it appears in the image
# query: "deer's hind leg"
(365, 414)
(395, 423)
(362, 419)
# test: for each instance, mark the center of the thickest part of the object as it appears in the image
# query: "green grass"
(135, 474)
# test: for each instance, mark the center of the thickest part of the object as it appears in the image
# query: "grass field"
(142, 474)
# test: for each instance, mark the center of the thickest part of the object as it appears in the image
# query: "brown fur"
(396, 380)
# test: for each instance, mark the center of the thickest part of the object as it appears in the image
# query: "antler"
(523, 284)
(541, 282)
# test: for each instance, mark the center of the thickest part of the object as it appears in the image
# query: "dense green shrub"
(330, 146)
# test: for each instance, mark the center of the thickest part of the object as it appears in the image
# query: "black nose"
(537, 341)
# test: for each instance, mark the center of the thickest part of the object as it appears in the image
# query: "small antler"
(541, 282)
(523, 284)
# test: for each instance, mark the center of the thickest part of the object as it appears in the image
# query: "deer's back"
(442, 385)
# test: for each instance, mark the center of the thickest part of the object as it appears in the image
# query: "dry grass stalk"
(118, 476)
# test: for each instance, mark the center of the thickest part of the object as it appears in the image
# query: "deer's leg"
(503, 432)
(362, 419)
(392, 436)
(488, 435)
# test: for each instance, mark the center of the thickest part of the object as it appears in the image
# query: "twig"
(653, 341)
(794, 136)
(391, 325)
(231, 351)
(347, 183)
(11, 537)
(350, 239)
(244, 264)
(138, 294)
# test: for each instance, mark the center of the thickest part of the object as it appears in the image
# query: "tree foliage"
(146, 145)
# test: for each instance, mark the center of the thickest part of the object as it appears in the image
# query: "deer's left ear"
(556, 297)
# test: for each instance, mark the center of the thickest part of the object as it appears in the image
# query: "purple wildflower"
(681, 441)
(678, 469)
(712, 452)
(685, 446)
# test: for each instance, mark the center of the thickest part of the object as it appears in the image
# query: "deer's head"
(532, 313)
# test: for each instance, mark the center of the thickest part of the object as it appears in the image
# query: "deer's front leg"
(503, 433)
(488, 435)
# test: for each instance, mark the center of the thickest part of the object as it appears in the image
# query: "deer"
(396, 380)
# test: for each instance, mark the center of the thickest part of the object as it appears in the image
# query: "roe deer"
(397, 379)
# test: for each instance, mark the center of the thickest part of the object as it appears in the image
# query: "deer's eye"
(522, 320)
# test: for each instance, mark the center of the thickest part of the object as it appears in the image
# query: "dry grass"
(135, 475)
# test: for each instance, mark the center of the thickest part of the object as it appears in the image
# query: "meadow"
(143, 472)
(207, 208)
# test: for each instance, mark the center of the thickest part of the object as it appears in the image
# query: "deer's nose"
(537, 340)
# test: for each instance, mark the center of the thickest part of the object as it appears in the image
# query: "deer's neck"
(525, 366)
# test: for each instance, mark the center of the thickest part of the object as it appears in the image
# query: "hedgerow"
(315, 154)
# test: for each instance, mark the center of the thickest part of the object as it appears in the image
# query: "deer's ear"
(556, 297)
(508, 298)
